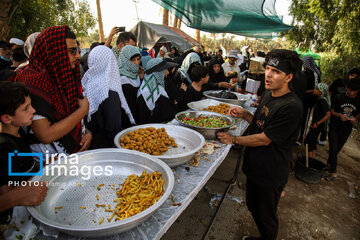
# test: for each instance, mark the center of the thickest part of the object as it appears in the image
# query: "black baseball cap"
(4, 44)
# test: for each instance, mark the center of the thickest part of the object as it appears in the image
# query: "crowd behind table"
(55, 101)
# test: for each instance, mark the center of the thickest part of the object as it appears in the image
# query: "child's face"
(351, 93)
(23, 114)
(205, 79)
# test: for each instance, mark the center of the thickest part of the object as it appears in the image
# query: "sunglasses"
(74, 51)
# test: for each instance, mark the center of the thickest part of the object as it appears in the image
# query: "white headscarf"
(28, 46)
(102, 76)
(153, 85)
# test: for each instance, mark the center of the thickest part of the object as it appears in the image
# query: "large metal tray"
(205, 103)
(208, 133)
(241, 98)
(71, 193)
(188, 141)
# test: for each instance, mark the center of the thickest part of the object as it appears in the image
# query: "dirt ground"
(308, 211)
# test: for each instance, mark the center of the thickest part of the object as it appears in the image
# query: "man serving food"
(272, 133)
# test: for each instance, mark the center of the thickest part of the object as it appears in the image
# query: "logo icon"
(17, 155)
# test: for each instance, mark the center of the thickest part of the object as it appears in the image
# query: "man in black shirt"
(345, 112)
(272, 133)
(5, 54)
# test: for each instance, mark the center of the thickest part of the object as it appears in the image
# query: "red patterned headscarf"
(52, 81)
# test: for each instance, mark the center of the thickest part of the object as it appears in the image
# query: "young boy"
(16, 111)
(200, 76)
(345, 112)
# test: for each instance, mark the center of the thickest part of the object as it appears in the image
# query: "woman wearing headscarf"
(320, 117)
(217, 78)
(154, 104)
(102, 86)
(129, 62)
(56, 94)
(183, 76)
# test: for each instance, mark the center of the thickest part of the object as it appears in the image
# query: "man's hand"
(30, 195)
(114, 31)
(237, 112)
(85, 142)
(352, 120)
(225, 137)
(343, 117)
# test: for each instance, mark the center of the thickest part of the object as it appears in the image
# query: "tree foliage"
(229, 42)
(37, 15)
(326, 25)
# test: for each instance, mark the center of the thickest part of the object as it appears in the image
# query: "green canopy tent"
(253, 18)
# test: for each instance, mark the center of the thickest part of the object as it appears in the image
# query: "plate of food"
(89, 204)
(227, 96)
(175, 145)
(204, 122)
(211, 105)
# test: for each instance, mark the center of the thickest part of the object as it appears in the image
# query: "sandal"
(330, 178)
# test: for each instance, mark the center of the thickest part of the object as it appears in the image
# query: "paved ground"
(308, 211)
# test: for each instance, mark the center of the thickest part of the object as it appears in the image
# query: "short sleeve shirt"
(341, 103)
(279, 118)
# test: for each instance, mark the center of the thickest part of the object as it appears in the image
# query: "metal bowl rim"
(147, 212)
(206, 93)
(161, 125)
(206, 113)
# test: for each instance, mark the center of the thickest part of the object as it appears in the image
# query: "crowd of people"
(55, 101)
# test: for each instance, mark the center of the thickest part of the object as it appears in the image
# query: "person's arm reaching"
(240, 112)
(114, 31)
(47, 132)
(254, 140)
(23, 196)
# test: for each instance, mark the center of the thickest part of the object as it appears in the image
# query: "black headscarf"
(216, 77)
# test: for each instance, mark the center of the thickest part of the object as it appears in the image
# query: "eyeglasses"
(74, 51)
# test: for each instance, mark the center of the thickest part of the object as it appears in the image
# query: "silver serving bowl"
(73, 193)
(208, 133)
(188, 141)
(241, 98)
(205, 103)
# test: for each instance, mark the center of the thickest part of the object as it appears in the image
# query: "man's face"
(130, 42)
(276, 79)
(232, 60)
(352, 76)
(23, 114)
(5, 52)
(73, 52)
(351, 93)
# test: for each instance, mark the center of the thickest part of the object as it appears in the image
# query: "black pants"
(313, 136)
(262, 202)
(337, 139)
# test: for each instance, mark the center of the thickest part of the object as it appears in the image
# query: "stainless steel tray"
(241, 98)
(208, 133)
(188, 141)
(205, 103)
(71, 193)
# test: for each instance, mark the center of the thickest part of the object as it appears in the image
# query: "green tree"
(326, 25)
(37, 15)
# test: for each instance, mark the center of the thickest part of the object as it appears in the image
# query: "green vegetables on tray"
(208, 122)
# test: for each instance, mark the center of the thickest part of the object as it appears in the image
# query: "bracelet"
(234, 140)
